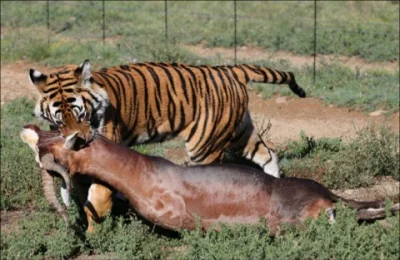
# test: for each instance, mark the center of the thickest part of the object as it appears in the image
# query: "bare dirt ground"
(15, 81)
(290, 116)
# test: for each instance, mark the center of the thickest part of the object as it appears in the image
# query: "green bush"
(374, 152)
(308, 146)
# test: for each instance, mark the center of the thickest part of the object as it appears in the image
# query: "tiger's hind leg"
(202, 157)
(198, 153)
(206, 146)
(248, 143)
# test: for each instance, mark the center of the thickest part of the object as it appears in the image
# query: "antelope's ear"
(83, 72)
(38, 79)
(70, 141)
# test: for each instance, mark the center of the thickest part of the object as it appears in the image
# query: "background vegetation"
(135, 32)
(365, 29)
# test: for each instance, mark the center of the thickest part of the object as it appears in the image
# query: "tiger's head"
(71, 100)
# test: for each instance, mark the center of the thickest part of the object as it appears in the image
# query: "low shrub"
(40, 234)
(372, 153)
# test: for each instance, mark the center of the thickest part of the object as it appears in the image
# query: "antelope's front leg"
(98, 203)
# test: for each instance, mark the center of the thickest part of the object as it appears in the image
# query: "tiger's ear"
(38, 79)
(83, 72)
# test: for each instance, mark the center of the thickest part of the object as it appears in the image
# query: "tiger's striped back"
(163, 100)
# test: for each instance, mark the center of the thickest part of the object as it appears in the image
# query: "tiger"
(153, 102)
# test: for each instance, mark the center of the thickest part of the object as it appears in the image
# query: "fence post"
(315, 35)
(235, 21)
(104, 25)
(48, 22)
(166, 21)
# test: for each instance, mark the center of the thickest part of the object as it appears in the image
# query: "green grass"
(37, 235)
(42, 235)
(365, 29)
(374, 152)
(20, 177)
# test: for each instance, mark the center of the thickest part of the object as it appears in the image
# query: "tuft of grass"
(308, 157)
(374, 152)
(368, 90)
(308, 147)
(150, 149)
(44, 235)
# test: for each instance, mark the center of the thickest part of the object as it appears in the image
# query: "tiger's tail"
(261, 74)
